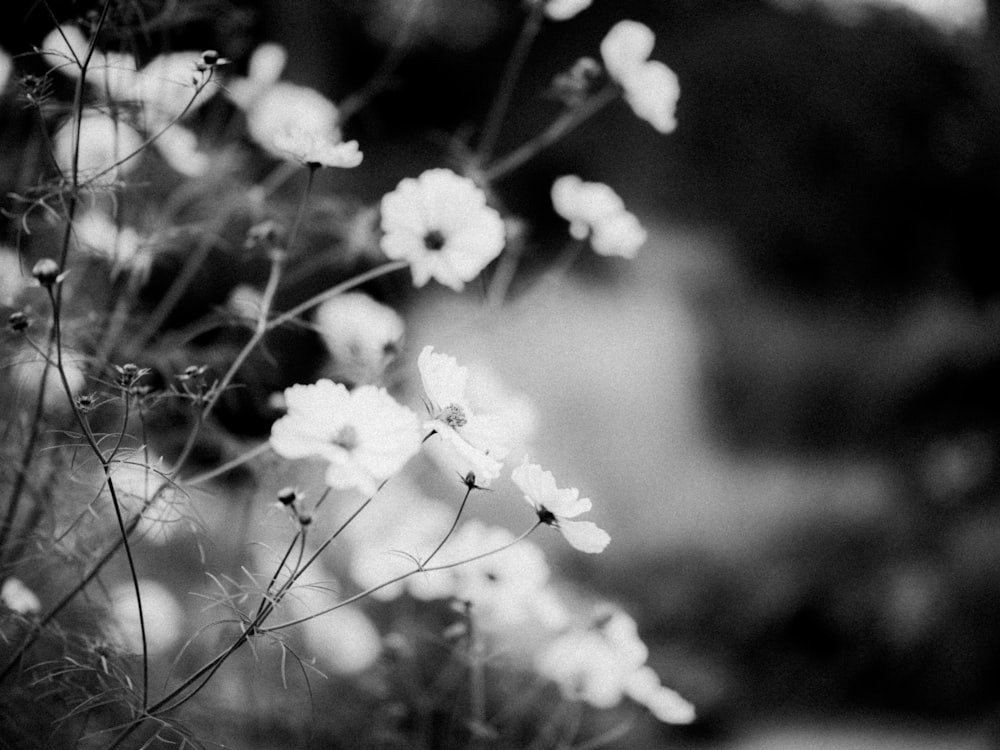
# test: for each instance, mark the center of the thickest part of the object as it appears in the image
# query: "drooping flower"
(593, 209)
(365, 434)
(650, 87)
(440, 224)
(107, 148)
(475, 440)
(16, 596)
(606, 663)
(554, 506)
(362, 335)
(562, 10)
(316, 150)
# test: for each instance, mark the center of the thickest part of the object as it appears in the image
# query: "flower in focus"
(316, 150)
(362, 335)
(14, 595)
(440, 224)
(104, 143)
(476, 441)
(650, 87)
(365, 434)
(562, 10)
(606, 663)
(163, 617)
(554, 506)
(594, 209)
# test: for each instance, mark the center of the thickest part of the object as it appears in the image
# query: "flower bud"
(287, 495)
(17, 321)
(46, 272)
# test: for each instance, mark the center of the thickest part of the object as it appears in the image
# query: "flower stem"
(454, 524)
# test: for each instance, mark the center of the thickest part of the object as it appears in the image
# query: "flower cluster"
(593, 209)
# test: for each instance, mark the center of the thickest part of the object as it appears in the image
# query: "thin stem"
(454, 524)
(401, 577)
(512, 71)
(231, 464)
(562, 125)
(301, 210)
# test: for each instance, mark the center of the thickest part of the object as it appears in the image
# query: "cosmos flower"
(17, 597)
(316, 150)
(562, 10)
(104, 142)
(650, 87)
(440, 224)
(475, 440)
(593, 209)
(365, 434)
(362, 335)
(123, 245)
(554, 506)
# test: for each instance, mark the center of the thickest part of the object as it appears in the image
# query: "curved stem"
(231, 464)
(454, 524)
(559, 127)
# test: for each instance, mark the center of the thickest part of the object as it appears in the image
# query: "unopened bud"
(287, 495)
(17, 321)
(46, 272)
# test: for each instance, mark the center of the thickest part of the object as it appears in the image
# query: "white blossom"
(667, 705)
(15, 595)
(97, 233)
(287, 108)
(104, 144)
(593, 209)
(365, 435)
(562, 10)
(650, 87)
(440, 224)
(555, 506)
(163, 617)
(362, 335)
(316, 150)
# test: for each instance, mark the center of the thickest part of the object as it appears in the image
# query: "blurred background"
(786, 408)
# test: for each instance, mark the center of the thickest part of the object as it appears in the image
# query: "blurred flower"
(561, 10)
(26, 368)
(6, 68)
(13, 279)
(475, 440)
(554, 506)
(595, 665)
(650, 87)
(439, 222)
(163, 617)
(364, 434)
(266, 65)
(164, 517)
(362, 335)
(594, 209)
(315, 150)
(244, 301)
(122, 246)
(104, 142)
(16, 596)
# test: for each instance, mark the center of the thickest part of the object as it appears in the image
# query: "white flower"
(316, 150)
(104, 142)
(163, 617)
(264, 69)
(286, 108)
(561, 10)
(14, 278)
(362, 336)
(179, 148)
(163, 518)
(364, 434)
(244, 301)
(16, 596)
(554, 506)
(26, 368)
(98, 234)
(643, 686)
(594, 209)
(595, 665)
(439, 222)
(650, 87)
(475, 440)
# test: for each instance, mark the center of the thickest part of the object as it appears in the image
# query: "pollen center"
(454, 416)
(346, 438)
(434, 240)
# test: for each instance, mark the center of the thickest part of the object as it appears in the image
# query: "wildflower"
(106, 148)
(554, 506)
(362, 335)
(245, 301)
(593, 209)
(562, 10)
(365, 435)
(316, 150)
(14, 595)
(597, 664)
(650, 87)
(439, 222)
(475, 440)
(122, 245)
(163, 617)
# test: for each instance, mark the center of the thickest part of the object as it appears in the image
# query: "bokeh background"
(786, 409)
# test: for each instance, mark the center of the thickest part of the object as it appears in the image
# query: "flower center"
(546, 516)
(434, 240)
(453, 415)
(346, 438)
